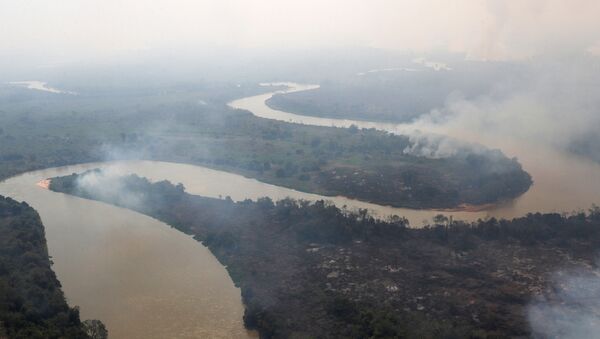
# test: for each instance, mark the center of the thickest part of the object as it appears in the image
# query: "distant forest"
(400, 94)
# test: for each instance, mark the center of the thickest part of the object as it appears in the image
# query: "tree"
(95, 329)
(441, 219)
(397, 221)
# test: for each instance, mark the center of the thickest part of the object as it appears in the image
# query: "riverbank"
(32, 303)
(470, 208)
(45, 184)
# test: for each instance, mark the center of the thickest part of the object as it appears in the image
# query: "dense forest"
(341, 274)
(193, 124)
(32, 304)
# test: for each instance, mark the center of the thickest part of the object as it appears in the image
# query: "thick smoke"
(571, 310)
(556, 104)
(438, 146)
(107, 185)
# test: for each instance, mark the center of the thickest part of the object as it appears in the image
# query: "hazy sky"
(482, 29)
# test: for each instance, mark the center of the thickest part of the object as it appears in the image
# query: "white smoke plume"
(106, 185)
(438, 146)
(571, 310)
(557, 105)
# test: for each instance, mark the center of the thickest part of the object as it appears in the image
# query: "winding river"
(562, 182)
(144, 279)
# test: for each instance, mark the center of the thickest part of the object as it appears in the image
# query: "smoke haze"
(490, 30)
(572, 310)
(555, 105)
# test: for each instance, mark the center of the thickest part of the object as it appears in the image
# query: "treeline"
(164, 199)
(32, 304)
(533, 228)
(313, 270)
(322, 221)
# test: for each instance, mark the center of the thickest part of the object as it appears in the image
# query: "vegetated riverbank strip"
(211, 182)
(342, 275)
(32, 303)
